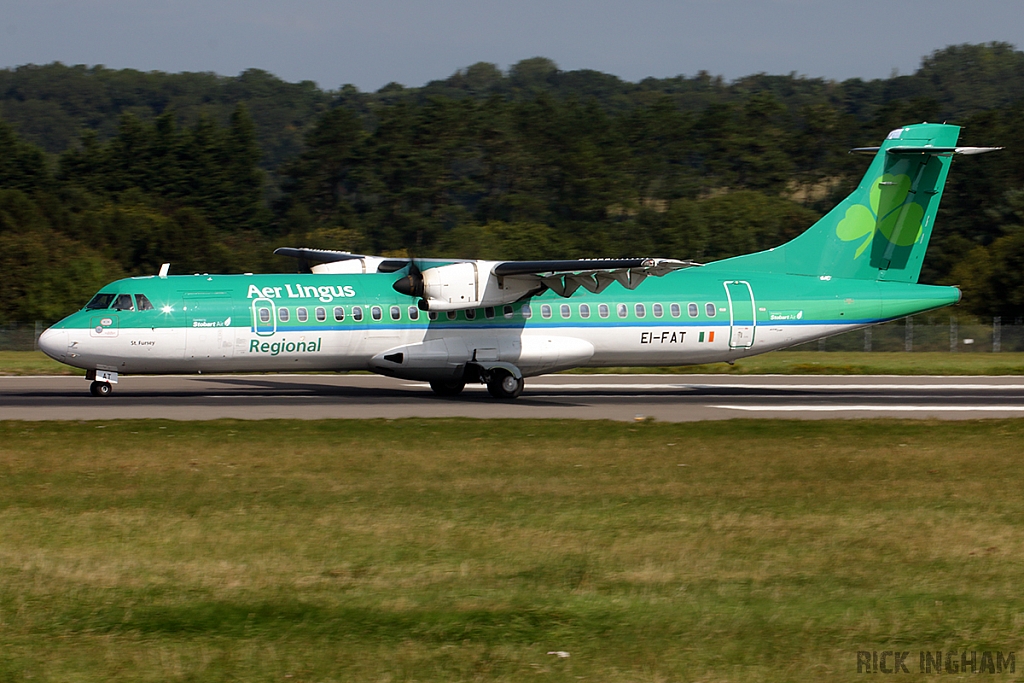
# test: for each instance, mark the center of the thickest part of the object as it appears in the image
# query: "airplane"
(450, 322)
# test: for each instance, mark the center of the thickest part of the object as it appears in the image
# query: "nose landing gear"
(101, 388)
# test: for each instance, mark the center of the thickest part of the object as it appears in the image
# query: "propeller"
(411, 284)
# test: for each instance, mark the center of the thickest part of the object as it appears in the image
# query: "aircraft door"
(742, 316)
(208, 331)
(264, 317)
(103, 326)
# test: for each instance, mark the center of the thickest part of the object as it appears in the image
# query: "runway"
(669, 398)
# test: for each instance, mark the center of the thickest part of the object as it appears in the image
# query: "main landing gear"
(504, 381)
(448, 389)
(504, 385)
(101, 388)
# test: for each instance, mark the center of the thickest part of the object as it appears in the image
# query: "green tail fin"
(880, 231)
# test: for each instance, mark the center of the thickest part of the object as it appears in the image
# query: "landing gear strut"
(503, 384)
(100, 388)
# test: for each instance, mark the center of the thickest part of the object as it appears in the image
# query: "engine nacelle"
(363, 264)
(471, 284)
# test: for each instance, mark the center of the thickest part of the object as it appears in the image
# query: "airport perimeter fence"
(930, 334)
(21, 336)
(907, 334)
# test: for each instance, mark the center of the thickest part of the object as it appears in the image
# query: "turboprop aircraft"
(449, 322)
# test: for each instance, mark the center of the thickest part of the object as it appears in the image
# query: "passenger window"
(692, 310)
(470, 314)
(432, 315)
(710, 310)
(99, 301)
(282, 314)
(452, 315)
(414, 313)
(142, 303)
(264, 315)
(657, 310)
(564, 309)
(674, 310)
(489, 312)
(339, 313)
(396, 312)
(602, 310)
(641, 310)
(508, 312)
(584, 311)
(321, 314)
(623, 310)
(527, 311)
(301, 314)
(376, 312)
(545, 311)
(357, 313)
(123, 303)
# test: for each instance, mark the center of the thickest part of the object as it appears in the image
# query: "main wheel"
(100, 388)
(503, 385)
(447, 388)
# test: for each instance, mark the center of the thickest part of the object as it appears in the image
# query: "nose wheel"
(100, 388)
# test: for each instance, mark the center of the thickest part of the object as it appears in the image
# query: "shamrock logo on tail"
(888, 197)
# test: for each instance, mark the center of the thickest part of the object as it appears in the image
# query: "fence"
(908, 334)
(21, 336)
(928, 334)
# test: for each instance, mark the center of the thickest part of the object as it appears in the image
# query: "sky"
(370, 43)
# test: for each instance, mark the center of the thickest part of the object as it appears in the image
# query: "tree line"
(532, 163)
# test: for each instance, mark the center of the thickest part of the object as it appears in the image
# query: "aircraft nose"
(54, 343)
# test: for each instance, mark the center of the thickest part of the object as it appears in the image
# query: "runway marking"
(797, 387)
(868, 408)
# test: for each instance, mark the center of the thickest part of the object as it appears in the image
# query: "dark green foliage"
(50, 105)
(22, 166)
(211, 173)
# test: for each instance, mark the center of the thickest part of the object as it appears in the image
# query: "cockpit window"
(123, 302)
(100, 301)
(142, 303)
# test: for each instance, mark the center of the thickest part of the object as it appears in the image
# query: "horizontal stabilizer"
(933, 151)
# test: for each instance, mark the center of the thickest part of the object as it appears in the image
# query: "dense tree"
(106, 172)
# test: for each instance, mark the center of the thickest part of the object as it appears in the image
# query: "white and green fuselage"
(857, 266)
(232, 323)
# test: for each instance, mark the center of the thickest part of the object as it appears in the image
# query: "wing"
(345, 261)
(594, 275)
(456, 284)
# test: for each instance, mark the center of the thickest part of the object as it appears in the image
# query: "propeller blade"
(411, 284)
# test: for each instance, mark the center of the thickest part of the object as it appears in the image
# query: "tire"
(100, 388)
(447, 388)
(504, 385)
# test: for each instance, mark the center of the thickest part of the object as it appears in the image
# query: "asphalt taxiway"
(670, 398)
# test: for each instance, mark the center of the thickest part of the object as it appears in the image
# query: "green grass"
(777, 363)
(458, 550)
(33, 363)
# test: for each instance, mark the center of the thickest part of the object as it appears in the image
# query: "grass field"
(777, 363)
(33, 363)
(459, 550)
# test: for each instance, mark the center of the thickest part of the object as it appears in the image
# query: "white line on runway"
(796, 387)
(870, 408)
(802, 387)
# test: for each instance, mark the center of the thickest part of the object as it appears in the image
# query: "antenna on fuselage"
(164, 268)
